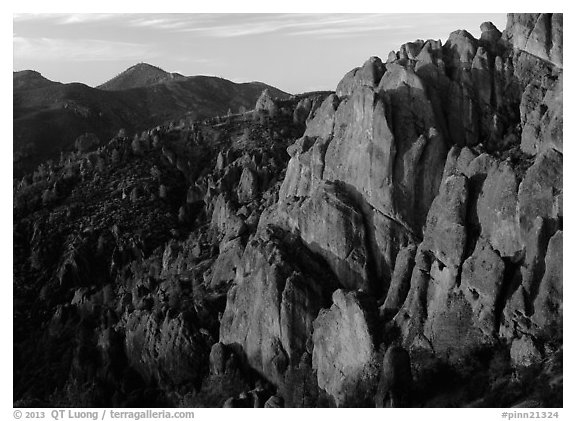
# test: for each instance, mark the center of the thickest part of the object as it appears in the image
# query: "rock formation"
(344, 350)
(272, 304)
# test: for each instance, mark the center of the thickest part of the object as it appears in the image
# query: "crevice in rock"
(511, 281)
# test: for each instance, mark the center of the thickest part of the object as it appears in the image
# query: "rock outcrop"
(384, 140)
(539, 34)
(330, 225)
(166, 351)
(272, 304)
(395, 386)
(368, 75)
(344, 350)
(266, 103)
(548, 302)
(400, 284)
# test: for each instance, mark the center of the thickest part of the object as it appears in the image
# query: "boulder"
(490, 34)
(217, 359)
(523, 352)
(497, 211)
(266, 103)
(368, 75)
(248, 187)
(445, 232)
(482, 280)
(344, 353)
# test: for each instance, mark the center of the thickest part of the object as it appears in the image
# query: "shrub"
(48, 197)
(86, 142)
(156, 141)
(136, 146)
(115, 157)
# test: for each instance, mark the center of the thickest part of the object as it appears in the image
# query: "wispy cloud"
(311, 25)
(82, 18)
(77, 49)
(344, 31)
(289, 24)
(234, 25)
(161, 23)
(67, 18)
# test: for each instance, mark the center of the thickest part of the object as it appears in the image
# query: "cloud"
(82, 18)
(304, 24)
(77, 49)
(161, 23)
(66, 18)
(345, 31)
(238, 25)
(227, 25)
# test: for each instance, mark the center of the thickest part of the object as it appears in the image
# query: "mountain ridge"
(140, 75)
(49, 116)
(30, 79)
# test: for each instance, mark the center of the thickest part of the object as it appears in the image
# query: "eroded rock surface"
(344, 349)
(272, 304)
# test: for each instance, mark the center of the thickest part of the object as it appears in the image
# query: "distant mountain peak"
(139, 76)
(27, 73)
(146, 67)
(30, 79)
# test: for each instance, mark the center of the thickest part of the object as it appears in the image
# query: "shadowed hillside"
(49, 116)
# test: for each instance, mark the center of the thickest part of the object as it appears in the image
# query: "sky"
(293, 52)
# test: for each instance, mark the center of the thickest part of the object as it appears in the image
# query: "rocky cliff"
(397, 242)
